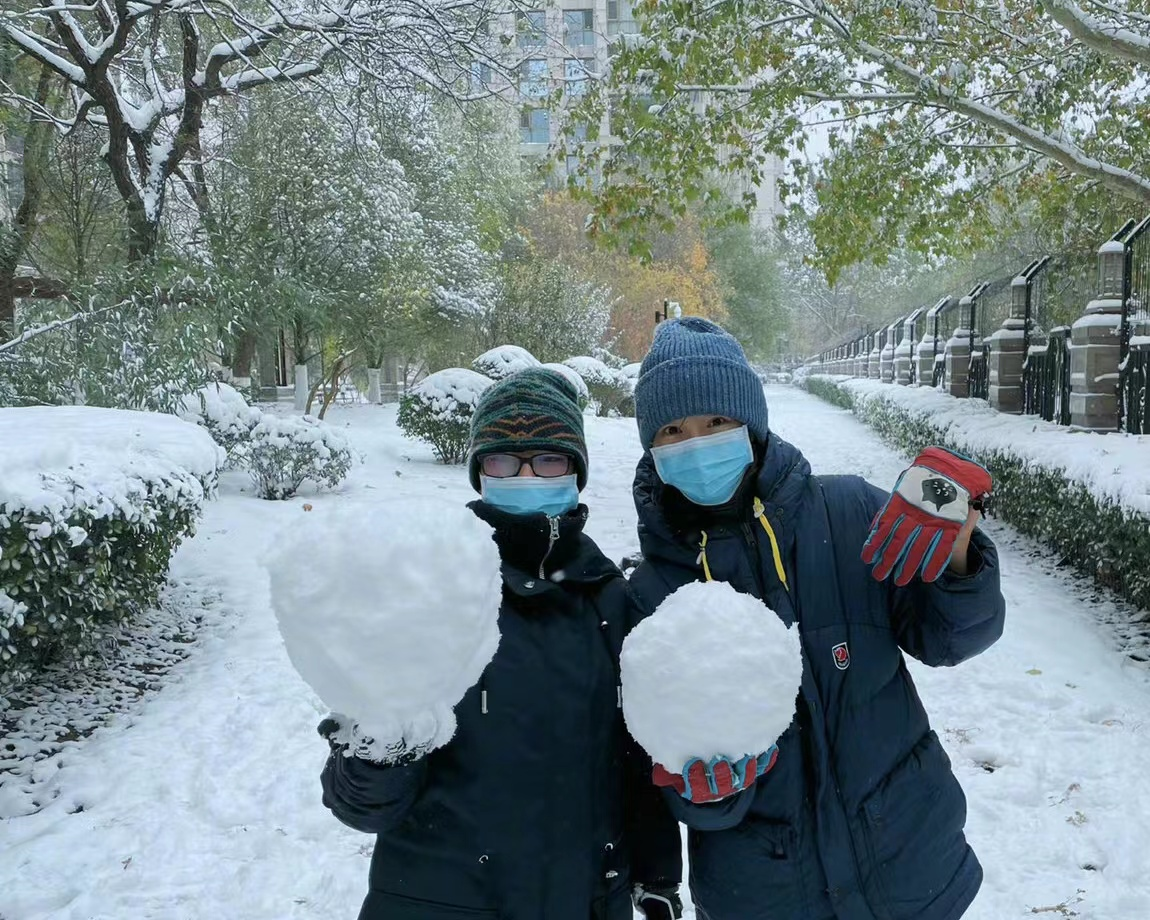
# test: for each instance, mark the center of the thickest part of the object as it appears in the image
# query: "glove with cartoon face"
(916, 529)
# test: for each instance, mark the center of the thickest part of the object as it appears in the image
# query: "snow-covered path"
(204, 802)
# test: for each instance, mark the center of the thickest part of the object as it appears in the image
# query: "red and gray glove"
(701, 782)
(917, 527)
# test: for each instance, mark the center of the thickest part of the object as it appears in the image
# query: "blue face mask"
(531, 494)
(707, 470)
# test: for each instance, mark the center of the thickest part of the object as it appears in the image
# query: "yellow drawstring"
(703, 557)
(761, 514)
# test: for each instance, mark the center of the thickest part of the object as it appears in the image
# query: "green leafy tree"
(936, 113)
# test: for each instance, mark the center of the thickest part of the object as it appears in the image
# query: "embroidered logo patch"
(842, 656)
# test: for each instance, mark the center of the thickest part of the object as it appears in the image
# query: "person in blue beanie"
(855, 814)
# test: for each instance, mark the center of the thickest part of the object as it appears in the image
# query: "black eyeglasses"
(545, 466)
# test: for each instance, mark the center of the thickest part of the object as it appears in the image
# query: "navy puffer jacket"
(861, 818)
(540, 807)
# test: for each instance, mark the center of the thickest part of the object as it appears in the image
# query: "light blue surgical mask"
(531, 494)
(708, 469)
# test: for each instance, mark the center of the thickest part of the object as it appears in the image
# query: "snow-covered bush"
(438, 410)
(224, 412)
(610, 390)
(93, 502)
(725, 691)
(504, 361)
(1084, 495)
(284, 452)
(575, 380)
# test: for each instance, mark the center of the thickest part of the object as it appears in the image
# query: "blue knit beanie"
(695, 367)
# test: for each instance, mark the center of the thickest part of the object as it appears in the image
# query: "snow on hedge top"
(1113, 467)
(568, 373)
(593, 371)
(445, 391)
(57, 459)
(631, 371)
(504, 361)
(712, 673)
(220, 407)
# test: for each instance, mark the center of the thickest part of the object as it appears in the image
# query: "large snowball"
(712, 672)
(390, 615)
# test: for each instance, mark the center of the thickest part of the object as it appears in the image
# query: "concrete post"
(958, 351)
(874, 359)
(1095, 347)
(904, 351)
(301, 387)
(886, 360)
(1004, 352)
(374, 396)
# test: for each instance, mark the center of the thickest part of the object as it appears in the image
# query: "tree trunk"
(242, 360)
(37, 143)
(301, 389)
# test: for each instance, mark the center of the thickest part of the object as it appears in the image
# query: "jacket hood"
(780, 482)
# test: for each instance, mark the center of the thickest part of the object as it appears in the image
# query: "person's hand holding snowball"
(390, 628)
(709, 704)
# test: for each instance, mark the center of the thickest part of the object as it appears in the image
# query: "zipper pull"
(552, 540)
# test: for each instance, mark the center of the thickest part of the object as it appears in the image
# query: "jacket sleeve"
(368, 797)
(945, 622)
(714, 816)
(656, 847)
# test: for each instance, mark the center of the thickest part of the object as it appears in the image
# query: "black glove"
(341, 734)
(658, 903)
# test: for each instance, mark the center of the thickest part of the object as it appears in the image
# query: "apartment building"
(559, 45)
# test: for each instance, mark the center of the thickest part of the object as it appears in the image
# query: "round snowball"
(713, 672)
(389, 623)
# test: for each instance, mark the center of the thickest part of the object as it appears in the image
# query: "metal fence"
(1046, 378)
(1133, 393)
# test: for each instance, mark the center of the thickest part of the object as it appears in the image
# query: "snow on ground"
(203, 801)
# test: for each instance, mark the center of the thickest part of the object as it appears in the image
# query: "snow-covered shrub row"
(224, 412)
(283, 451)
(504, 361)
(610, 389)
(93, 502)
(1085, 495)
(438, 410)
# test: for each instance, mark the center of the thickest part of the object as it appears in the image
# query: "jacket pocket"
(383, 905)
(751, 872)
(912, 825)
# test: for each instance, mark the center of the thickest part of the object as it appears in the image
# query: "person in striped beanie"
(540, 805)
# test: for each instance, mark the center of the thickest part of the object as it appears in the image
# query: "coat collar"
(523, 541)
(780, 482)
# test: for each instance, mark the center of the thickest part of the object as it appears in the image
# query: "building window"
(574, 78)
(580, 28)
(531, 28)
(534, 126)
(533, 79)
(620, 19)
(480, 76)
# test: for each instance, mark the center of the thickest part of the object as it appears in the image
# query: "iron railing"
(978, 372)
(1135, 329)
(1046, 388)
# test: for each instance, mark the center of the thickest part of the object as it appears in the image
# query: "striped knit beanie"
(535, 409)
(695, 367)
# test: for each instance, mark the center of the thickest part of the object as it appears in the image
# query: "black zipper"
(756, 561)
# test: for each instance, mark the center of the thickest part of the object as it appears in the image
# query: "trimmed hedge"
(1100, 537)
(83, 551)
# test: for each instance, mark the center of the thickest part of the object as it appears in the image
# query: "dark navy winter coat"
(861, 818)
(522, 815)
